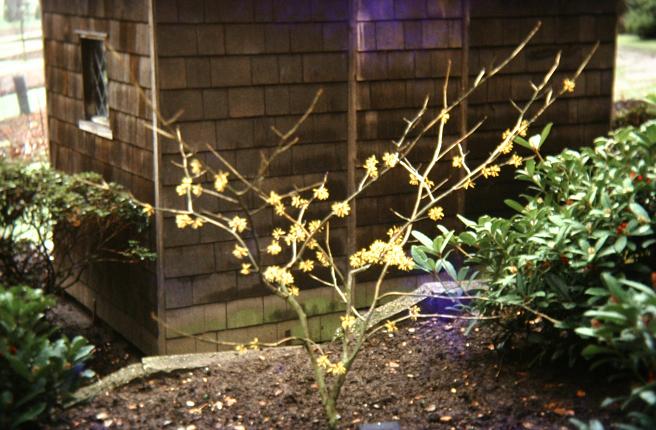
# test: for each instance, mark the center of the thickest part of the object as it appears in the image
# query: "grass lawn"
(636, 63)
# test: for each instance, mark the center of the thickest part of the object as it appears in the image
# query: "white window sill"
(95, 128)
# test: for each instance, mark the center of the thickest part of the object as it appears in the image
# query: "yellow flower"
(239, 252)
(506, 147)
(516, 160)
(313, 244)
(197, 190)
(469, 184)
(220, 181)
(279, 209)
(197, 223)
(279, 275)
(314, 225)
(414, 180)
(255, 344)
(184, 186)
(241, 349)
(391, 327)
(337, 369)
(148, 210)
(245, 269)
(321, 193)
(341, 209)
(436, 213)
(390, 159)
(298, 202)
(274, 198)
(296, 234)
(322, 258)
(491, 171)
(183, 220)
(523, 128)
(569, 85)
(196, 167)
(506, 134)
(456, 162)
(277, 233)
(306, 265)
(347, 321)
(323, 361)
(414, 312)
(274, 248)
(293, 291)
(238, 224)
(445, 116)
(370, 167)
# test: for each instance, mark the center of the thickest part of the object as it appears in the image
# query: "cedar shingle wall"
(123, 296)
(404, 47)
(572, 27)
(237, 68)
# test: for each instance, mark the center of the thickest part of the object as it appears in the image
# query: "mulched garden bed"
(427, 376)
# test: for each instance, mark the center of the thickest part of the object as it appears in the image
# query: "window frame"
(86, 123)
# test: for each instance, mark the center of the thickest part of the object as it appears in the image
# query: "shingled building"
(236, 67)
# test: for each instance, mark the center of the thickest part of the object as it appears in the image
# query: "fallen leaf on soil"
(229, 401)
(528, 425)
(491, 347)
(262, 403)
(430, 408)
(190, 404)
(445, 418)
(277, 392)
(580, 393)
(132, 406)
(101, 416)
(218, 405)
(393, 364)
(564, 412)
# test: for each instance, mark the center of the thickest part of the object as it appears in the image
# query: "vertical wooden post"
(464, 85)
(21, 94)
(352, 123)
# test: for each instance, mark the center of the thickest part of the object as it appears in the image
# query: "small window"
(95, 80)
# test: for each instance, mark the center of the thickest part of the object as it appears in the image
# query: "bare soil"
(429, 375)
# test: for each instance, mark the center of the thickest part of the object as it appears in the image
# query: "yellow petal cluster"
(279, 275)
(347, 321)
(220, 181)
(277, 233)
(196, 167)
(337, 368)
(491, 171)
(197, 190)
(306, 266)
(341, 209)
(414, 312)
(390, 159)
(148, 210)
(415, 180)
(314, 225)
(274, 248)
(274, 199)
(245, 269)
(469, 184)
(299, 202)
(391, 327)
(506, 147)
(324, 362)
(239, 252)
(238, 224)
(293, 291)
(380, 253)
(322, 258)
(523, 128)
(321, 193)
(370, 165)
(184, 186)
(456, 162)
(569, 85)
(296, 234)
(516, 160)
(436, 213)
(183, 220)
